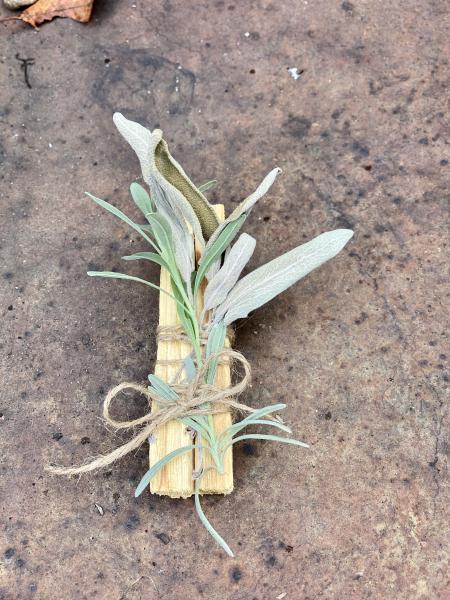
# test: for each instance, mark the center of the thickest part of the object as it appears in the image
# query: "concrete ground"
(357, 350)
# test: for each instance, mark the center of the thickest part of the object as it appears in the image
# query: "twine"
(176, 333)
(194, 398)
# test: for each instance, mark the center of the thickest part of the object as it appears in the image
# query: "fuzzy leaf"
(246, 206)
(189, 368)
(118, 213)
(222, 242)
(235, 261)
(216, 340)
(218, 538)
(207, 185)
(266, 282)
(152, 256)
(175, 175)
(159, 465)
(141, 198)
(165, 176)
(139, 138)
(162, 388)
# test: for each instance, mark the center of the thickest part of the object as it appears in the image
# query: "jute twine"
(194, 398)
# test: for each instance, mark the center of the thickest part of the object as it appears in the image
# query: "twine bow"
(194, 398)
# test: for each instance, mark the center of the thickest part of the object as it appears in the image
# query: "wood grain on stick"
(175, 479)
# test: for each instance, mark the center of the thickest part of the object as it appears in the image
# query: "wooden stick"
(175, 479)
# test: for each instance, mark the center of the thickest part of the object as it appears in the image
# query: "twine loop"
(193, 398)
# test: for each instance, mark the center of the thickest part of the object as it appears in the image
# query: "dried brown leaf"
(46, 10)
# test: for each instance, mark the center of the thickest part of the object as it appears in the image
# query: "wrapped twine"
(194, 398)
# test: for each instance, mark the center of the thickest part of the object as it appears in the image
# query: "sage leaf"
(207, 185)
(175, 175)
(141, 198)
(139, 138)
(160, 169)
(266, 282)
(216, 340)
(222, 242)
(219, 539)
(247, 204)
(159, 465)
(162, 388)
(118, 213)
(152, 256)
(189, 368)
(235, 261)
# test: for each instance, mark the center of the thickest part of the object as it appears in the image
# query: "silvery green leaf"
(270, 438)
(266, 282)
(162, 388)
(182, 239)
(215, 343)
(246, 206)
(141, 198)
(235, 261)
(159, 465)
(118, 213)
(222, 242)
(189, 368)
(114, 275)
(139, 138)
(159, 167)
(152, 256)
(207, 185)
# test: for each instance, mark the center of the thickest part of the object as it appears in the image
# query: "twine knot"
(192, 398)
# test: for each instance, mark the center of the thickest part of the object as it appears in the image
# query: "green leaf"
(113, 275)
(266, 282)
(184, 314)
(207, 186)
(142, 198)
(163, 235)
(159, 465)
(189, 367)
(257, 414)
(222, 242)
(162, 388)
(160, 168)
(118, 213)
(246, 206)
(226, 277)
(215, 343)
(219, 539)
(234, 429)
(152, 256)
(266, 436)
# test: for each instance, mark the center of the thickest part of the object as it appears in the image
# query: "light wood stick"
(175, 479)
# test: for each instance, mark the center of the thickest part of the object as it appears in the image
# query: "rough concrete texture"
(356, 350)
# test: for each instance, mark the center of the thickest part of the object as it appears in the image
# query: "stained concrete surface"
(357, 350)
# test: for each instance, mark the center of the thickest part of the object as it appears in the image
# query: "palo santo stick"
(212, 482)
(175, 479)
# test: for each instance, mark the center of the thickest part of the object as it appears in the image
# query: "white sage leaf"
(159, 166)
(182, 238)
(235, 261)
(246, 205)
(139, 138)
(266, 282)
